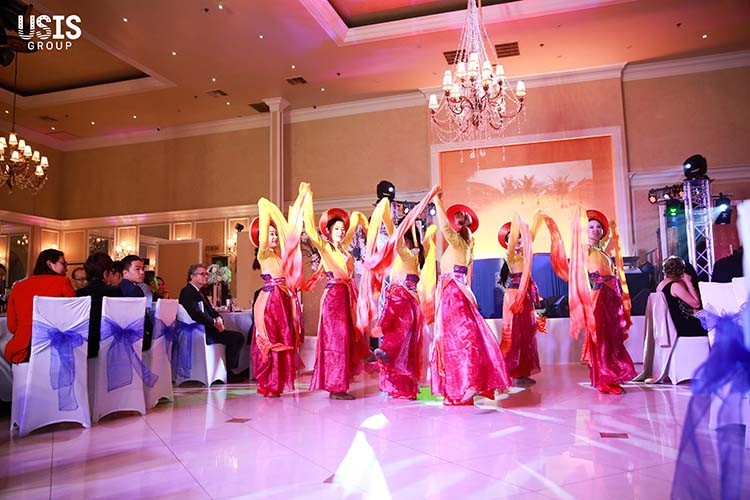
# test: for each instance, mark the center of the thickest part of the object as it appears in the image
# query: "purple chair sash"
(724, 377)
(182, 351)
(168, 331)
(122, 358)
(62, 368)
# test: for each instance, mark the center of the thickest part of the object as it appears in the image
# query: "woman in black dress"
(680, 288)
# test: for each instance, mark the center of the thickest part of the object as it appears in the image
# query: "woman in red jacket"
(47, 280)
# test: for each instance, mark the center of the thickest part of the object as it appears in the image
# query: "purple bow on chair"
(168, 331)
(62, 368)
(122, 358)
(724, 380)
(182, 352)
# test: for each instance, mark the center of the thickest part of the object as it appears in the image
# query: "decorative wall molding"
(408, 100)
(685, 66)
(342, 35)
(672, 174)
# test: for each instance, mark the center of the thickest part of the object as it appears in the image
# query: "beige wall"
(349, 155)
(178, 174)
(671, 118)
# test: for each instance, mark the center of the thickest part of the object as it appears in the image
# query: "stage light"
(652, 196)
(432, 209)
(666, 195)
(673, 212)
(695, 167)
(724, 209)
(386, 189)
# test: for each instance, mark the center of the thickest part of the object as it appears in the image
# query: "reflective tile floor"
(228, 442)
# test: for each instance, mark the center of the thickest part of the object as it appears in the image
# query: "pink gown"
(522, 355)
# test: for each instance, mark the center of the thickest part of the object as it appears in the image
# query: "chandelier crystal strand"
(477, 102)
(20, 166)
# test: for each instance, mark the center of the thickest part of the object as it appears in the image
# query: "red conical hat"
(255, 231)
(502, 235)
(332, 213)
(601, 218)
(454, 209)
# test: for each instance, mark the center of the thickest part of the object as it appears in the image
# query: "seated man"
(132, 276)
(78, 278)
(200, 310)
(115, 277)
(98, 269)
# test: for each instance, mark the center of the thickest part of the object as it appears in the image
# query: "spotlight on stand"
(432, 210)
(695, 167)
(386, 189)
(239, 227)
(673, 212)
(652, 198)
(724, 209)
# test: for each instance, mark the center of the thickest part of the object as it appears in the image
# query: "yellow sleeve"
(308, 214)
(381, 215)
(453, 238)
(268, 212)
(357, 219)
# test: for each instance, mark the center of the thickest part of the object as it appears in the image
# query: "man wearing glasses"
(200, 310)
(78, 278)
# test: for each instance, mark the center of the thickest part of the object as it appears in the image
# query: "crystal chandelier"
(477, 102)
(20, 167)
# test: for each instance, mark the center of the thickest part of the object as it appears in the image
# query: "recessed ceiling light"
(228, 103)
(213, 79)
(93, 123)
(124, 19)
(7, 112)
(53, 128)
(260, 36)
(704, 36)
(221, 5)
(174, 53)
(322, 89)
(135, 116)
(294, 67)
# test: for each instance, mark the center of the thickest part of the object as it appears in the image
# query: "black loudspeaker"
(638, 303)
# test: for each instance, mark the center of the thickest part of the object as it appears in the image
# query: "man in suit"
(200, 310)
(132, 276)
(98, 268)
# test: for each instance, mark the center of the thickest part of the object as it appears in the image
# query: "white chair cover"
(660, 335)
(741, 288)
(688, 354)
(51, 387)
(192, 358)
(117, 375)
(158, 359)
(721, 297)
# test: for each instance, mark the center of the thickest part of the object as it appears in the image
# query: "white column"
(276, 154)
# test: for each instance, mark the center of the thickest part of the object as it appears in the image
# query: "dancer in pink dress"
(341, 347)
(599, 302)
(401, 323)
(277, 333)
(466, 358)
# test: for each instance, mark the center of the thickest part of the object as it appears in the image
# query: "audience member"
(115, 277)
(47, 280)
(200, 310)
(132, 277)
(161, 291)
(728, 268)
(98, 268)
(680, 288)
(78, 278)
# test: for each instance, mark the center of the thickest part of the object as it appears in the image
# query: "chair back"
(158, 358)
(52, 387)
(118, 373)
(165, 316)
(741, 289)
(720, 296)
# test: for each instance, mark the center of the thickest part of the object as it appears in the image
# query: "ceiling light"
(213, 79)
(93, 123)
(228, 103)
(7, 112)
(322, 89)
(294, 67)
(260, 36)
(174, 53)
(477, 102)
(704, 36)
(52, 128)
(221, 6)
(124, 19)
(134, 117)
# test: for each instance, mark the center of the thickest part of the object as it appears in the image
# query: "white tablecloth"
(6, 380)
(557, 346)
(240, 322)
